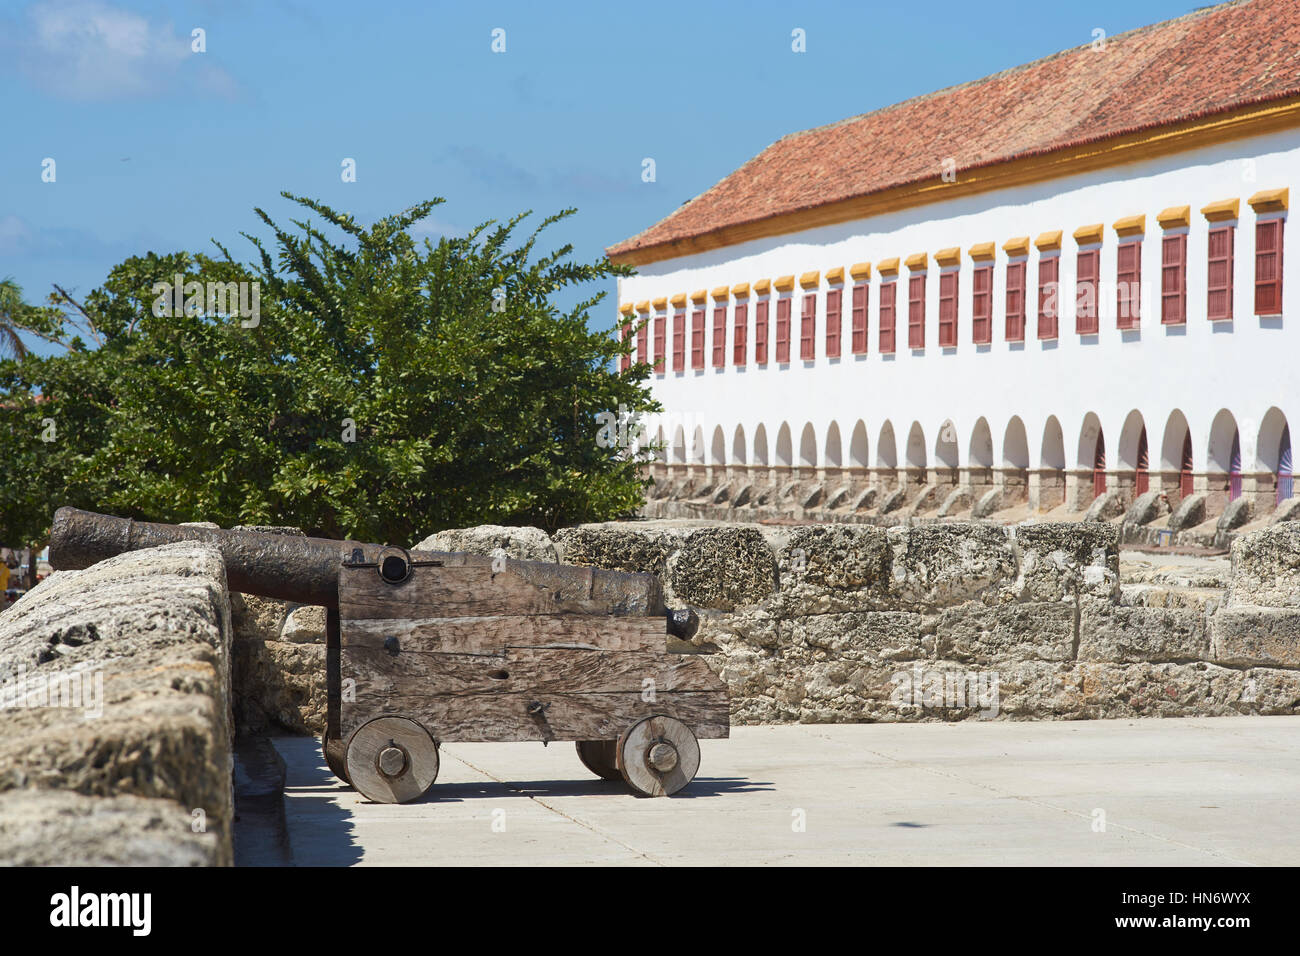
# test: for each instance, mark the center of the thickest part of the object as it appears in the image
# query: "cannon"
(428, 647)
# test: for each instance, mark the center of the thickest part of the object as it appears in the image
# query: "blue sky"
(161, 148)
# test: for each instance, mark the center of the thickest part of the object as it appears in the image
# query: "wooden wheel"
(335, 756)
(392, 760)
(600, 757)
(658, 756)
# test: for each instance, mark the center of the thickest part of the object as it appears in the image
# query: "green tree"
(386, 388)
(11, 308)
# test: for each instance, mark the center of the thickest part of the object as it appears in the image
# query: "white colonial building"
(1060, 280)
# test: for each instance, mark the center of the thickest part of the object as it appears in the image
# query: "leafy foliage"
(460, 414)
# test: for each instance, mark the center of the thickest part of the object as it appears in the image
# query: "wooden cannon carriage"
(424, 648)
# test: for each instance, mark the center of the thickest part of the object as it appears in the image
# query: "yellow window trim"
(679, 300)
(1018, 246)
(835, 275)
(1088, 234)
(1270, 200)
(784, 283)
(983, 251)
(809, 280)
(722, 292)
(948, 257)
(1222, 210)
(860, 270)
(1175, 216)
(1048, 241)
(1131, 225)
(661, 303)
(700, 296)
(740, 289)
(887, 266)
(917, 261)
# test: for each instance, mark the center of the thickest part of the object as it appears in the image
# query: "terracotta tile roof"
(1206, 62)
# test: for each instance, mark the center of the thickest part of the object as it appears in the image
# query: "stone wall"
(922, 621)
(116, 743)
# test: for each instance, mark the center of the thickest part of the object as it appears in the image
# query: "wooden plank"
(531, 670)
(442, 592)
(492, 634)
(573, 716)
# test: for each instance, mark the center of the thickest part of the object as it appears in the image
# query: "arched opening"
(679, 446)
(661, 446)
(739, 450)
(1015, 459)
(697, 446)
(1223, 454)
(886, 448)
(760, 445)
(981, 445)
(1142, 469)
(916, 447)
(1285, 479)
(858, 447)
(1052, 452)
(1185, 480)
(784, 447)
(945, 446)
(1174, 454)
(808, 447)
(1051, 466)
(1099, 465)
(834, 447)
(718, 452)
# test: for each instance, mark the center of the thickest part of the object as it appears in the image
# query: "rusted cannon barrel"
(305, 570)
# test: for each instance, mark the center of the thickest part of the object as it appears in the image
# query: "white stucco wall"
(1247, 366)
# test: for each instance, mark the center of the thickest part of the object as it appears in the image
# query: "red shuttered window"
(625, 361)
(888, 306)
(1128, 286)
(1085, 292)
(982, 305)
(834, 298)
(1173, 280)
(661, 334)
(643, 341)
(1015, 301)
(782, 330)
(697, 339)
(859, 343)
(1049, 271)
(1268, 267)
(738, 334)
(679, 342)
(719, 336)
(760, 333)
(948, 309)
(808, 326)
(1219, 303)
(916, 312)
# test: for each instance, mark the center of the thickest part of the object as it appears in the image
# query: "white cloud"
(88, 50)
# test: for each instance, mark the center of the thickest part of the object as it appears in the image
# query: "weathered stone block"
(304, 625)
(279, 687)
(1256, 636)
(941, 565)
(1189, 513)
(1147, 507)
(1062, 558)
(826, 568)
(1110, 632)
(1238, 512)
(1266, 567)
(523, 543)
(870, 636)
(1105, 506)
(616, 549)
(722, 568)
(972, 633)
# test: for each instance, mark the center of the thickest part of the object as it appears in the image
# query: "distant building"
(1062, 279)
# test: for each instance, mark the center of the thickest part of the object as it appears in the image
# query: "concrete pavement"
(1195, 792)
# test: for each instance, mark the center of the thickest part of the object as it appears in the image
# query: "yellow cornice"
(948, 257)
(1270, 200)
(835, 275)
(784, 283)
(679, 300)
(643, 306)
(860, 270)
(660, 303)
(627, 308)
(1087, 234)
(700, 296)
(916, 261)
(1048, 241)
(1131, 225)
(1018, 246)
(1174, 216)
(887, 266)
(1251, 120)
(721, 292)
(740, 289)
(982, 251)
(1222, 210)
(762, 287)
(809, 280)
